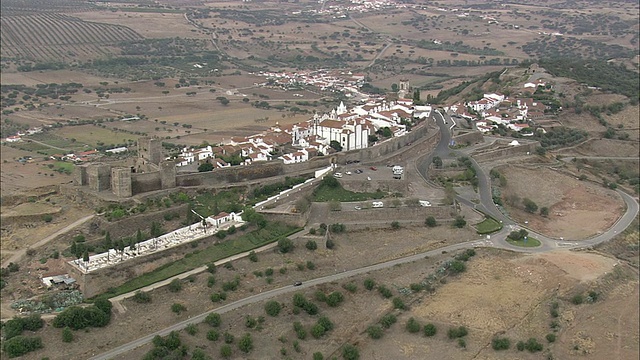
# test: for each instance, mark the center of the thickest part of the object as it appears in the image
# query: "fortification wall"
(469, 138)
(145, 182)
(231, 175)
(508, 151)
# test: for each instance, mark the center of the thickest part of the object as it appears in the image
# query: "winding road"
(497, 240)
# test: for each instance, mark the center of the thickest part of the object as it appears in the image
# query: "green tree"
(253, 256)
(437, 162)
(459, 222)
(544, 211)
(500, 344)
(311, 245)
(175, 285)
(272, 308)
(387, 320)
(350, 352)
(213, 319)
(429, 330)
(85, 256)
(399, 304)
(430, 221)
(412, 326)
(318, 356)
(67, 335)
(178, 308)
(335, 145)
(20, 345)
(529, 205)
(375, 331)
(369, 284)
(285, 245)
(225, 351)
(246, 343)
(205, 167)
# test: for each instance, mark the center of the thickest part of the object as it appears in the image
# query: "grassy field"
(487, 226)
(325, 192)
(93, 135)
(531, 242)
(273, 232)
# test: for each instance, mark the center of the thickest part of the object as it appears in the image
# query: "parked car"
(357, 207)
(348, 173)
(373, 168)
(338, 175)
(358, 171)
(297, 283)
(377, 204)
(424, 203)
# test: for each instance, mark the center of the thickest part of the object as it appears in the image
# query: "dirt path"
(17, 255)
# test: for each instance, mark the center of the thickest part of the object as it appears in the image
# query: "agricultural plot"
(59, 37)
(94, 136)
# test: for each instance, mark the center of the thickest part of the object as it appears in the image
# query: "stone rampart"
(506, 151)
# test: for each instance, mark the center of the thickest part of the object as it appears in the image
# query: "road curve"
(497, 240)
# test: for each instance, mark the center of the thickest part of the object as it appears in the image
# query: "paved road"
(496, 240)
(20, 253)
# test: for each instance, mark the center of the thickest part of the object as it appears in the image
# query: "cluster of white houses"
(351, 129)
(497, 109)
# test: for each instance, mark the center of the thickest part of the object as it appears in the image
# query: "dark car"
(297, 283)
(373, 168)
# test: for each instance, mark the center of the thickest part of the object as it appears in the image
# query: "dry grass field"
(577, 209)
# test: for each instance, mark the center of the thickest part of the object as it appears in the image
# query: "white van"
(377, 204)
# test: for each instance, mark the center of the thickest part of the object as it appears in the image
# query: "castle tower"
(404, 88)
(167, 174)
(149, 151)
(99, 177)
(121, 182)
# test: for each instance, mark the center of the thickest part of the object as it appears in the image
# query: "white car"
(357, 207)
(369, 178)
(377, 204)
(424, 203)
(348, 173)
(338, 175)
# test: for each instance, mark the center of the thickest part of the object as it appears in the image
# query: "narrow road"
(20, 253)
(47, 145)
(497, 240)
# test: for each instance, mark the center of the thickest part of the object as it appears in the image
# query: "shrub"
(412, 326)
(67, 335)
(457, 332)
(415, 287)
(285, 245)
(311, 245)
(330, 244)
(296, 346)
(429, 330)
(369, 284)
(388, 320)
(213, 335)
(20, 345)
(178, 308)
(520, 345)
(252, 256)
(529, 205)
(213, 319)
(301, 333)
(250, 322)
(268, 272)
(500, 344)
(462, 343)
(211, 268)
(335, 298)
(318, 356)
(457, 267)
(47, 218)
(317, 331)
(175, 285)
(384, 291)
(577, 299)
(246, 343)
(431, 222)
(459, 222)
(375, 332)
(142, 297)
(592, 297)
(78, 318)
(311, 265)
(272, 308)
(551, 337)
(211, 281)
(350, 352)
(326, 323)
(350, 287)
(191, 329)
(399, 304)
(228, 338)
(532, 345)
(225, 351)
(395, 225)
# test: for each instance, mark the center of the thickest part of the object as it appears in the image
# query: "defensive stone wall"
(506, 151)
(468, 138)
(144, 182)
(232, 174)
(121, 181)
